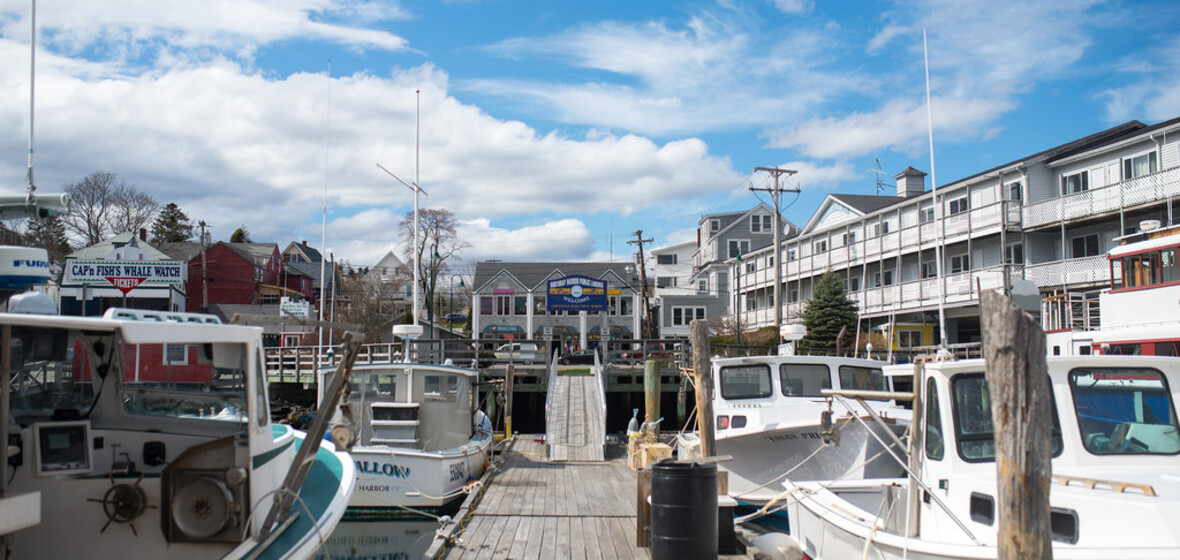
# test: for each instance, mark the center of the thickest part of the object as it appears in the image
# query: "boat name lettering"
(458, 471)
(787, 437)
(386, 469)
(372, 488)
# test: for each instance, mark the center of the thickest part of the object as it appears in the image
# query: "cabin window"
(804, 380)
(745, 382)
(856, 378)
(210, 385)
(1125, 411)
(934, 449)
(972, 411)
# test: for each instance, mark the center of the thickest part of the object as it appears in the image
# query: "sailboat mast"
(937, 205)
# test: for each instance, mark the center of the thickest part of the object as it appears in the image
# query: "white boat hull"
(393, 477)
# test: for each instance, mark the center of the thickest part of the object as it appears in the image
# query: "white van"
(523, 352)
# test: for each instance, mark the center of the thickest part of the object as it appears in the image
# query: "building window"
(958, 206)
(760, 224)
(909, 339)
(503, 305)
(520, 305)
(929, 270)
(1085, 246)
(1014, 254)
(703, 286)
(666, 259)
(738, 247)
(177, 354)
(751, 303)
(960, 263)
(880, 228)
(850, 238)
(666, 282)
(1015, 192)
(793, 295)
(1075, 183)
(770, 261)
(539, 305)
(682, 316)
(1140, 165)
(854, 284)
(714, 226)
(926, 215)
(883, 278)
(820, 246)
(790, 254)
(751, 266)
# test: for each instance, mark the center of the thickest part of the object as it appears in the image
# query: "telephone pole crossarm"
(639, 240)
(776, 192)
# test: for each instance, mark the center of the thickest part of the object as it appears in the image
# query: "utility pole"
(204, 273)
(775, 193)
(639, 240)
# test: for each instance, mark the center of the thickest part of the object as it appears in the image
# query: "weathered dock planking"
(536, 509)
(576, 428)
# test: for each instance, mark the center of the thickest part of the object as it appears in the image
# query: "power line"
(776, 193)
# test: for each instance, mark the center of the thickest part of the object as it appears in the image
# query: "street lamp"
(434, 258)
(451, 313)
(737, 299)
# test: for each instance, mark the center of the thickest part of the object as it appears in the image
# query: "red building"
(236, 273)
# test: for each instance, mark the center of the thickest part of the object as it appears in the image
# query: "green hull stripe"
(264, 458)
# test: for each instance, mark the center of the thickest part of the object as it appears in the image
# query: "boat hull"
(390, 479)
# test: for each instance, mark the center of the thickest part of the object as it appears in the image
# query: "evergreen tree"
(172, 225)
(50, 234)
(827, 311)
(240, 235)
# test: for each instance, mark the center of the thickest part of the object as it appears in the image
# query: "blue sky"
(551, 128)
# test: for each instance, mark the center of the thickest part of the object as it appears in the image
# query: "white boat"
(1115, 491)
(767, 417)
(1137, 313)
(420, 439)
(148, 435)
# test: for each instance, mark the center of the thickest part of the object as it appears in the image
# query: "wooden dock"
(533, 508)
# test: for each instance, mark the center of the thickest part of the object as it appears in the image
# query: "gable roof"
(532, 275)
(181, 250)
(257, 253)
(311, 254)
(103, 248)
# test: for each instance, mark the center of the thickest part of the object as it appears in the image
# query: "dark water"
(400, 539)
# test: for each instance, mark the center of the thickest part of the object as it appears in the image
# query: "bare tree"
(102, 205)
(373, 301)
(437, 233)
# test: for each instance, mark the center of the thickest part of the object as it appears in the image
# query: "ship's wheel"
(123, 503)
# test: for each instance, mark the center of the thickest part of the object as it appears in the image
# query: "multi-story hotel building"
(1048, 218)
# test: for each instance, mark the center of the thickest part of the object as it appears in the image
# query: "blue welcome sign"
(576, 293)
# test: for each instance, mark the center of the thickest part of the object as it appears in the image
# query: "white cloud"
(1147, 91)
(558, 240)
(794, 6)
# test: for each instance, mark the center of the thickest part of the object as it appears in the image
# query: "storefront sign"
(576, 293)
(150, 273)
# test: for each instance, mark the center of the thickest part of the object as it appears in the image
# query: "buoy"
(633, 425)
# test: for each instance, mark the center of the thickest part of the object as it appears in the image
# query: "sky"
(555, 130)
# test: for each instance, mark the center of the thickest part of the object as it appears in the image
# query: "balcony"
(1070, 272)
(1131, 193)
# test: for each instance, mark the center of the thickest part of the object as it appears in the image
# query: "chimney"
(305, 243)
(910, 182)
(143, 234)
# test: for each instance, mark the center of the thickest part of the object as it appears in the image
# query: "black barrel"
(683, 511)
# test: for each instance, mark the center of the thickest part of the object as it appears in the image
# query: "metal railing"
(1130, 193)
(1088, 270)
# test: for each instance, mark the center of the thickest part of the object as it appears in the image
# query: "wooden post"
(704, 379)
(651, 390)
(643, 508)
(1018, 383)
(511, 373)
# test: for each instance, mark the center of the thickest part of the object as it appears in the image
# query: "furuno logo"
(29, 263)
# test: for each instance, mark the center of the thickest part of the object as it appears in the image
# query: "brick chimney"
(143, 234)
(910, 182)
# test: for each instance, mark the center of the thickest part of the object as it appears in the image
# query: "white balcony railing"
(1070, 272)
(1125, 194)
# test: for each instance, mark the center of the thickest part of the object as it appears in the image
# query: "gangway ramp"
(576, 416)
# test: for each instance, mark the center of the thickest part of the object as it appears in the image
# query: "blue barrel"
(683, 511)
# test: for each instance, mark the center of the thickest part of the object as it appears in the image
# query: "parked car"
(653, 351)
(523, 352)
(452, 318)
(584, 356)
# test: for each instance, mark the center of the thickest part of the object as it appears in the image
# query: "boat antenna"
(324, 222)
(937, 206)
(32, 198)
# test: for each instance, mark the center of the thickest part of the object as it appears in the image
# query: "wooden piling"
(651, 389)
(511, 373)
(704, 379)
(1018, 383)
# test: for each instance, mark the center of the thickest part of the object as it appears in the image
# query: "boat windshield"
(198, 380)
(47, 373)
(745, 382)
(1124, 411)
(856, 378)
(972, 412)
(804, 380)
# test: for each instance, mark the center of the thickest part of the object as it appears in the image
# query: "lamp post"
(451, 312)
(434, 258)
(737, 299)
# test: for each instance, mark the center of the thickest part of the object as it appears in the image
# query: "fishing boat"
(148, 434)
(771, 418)
(421, 438)
(1136, 313)
(1115, 490)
